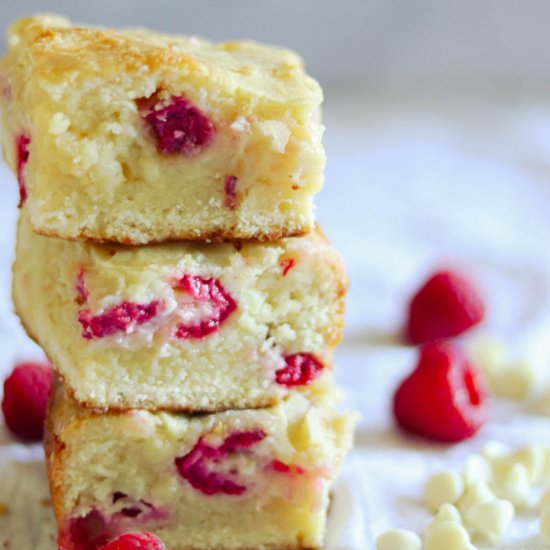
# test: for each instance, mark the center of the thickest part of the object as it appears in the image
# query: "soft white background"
(438, 136)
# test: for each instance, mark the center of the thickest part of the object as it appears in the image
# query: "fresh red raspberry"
(195, 465)
(444, 397)
(136, 541)
(446, 306)
(26, 392)
(205, 290)
(300, 370)
(230, 188)
(177, 125)
(287, 265)
(123, 317)
(22, 143)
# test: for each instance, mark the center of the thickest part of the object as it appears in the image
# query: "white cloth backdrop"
(411, 184)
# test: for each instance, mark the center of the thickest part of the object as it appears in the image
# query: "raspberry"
(194, 465)
(177, 125)
(230, 186)
(123, 317)
(26, 392)
(287, 265)
(444, 397)
(240, 441)
(136, 541)
(21, 158)
(446, 306)
(300, 370)
(205, 290)
(89, 532)
(284, 468)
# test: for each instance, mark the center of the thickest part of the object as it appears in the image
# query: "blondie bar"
(182, 326)
(137, 137)
(249, 479)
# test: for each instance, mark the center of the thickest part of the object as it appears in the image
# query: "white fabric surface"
(411, 184)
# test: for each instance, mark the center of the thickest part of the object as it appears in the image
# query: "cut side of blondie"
(137, 137)
(237, 480)
(182, 326)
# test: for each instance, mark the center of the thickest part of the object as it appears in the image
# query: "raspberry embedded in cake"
(206, 291)
(284, 468)
(300, 370)
(197, 466)
(88, 532)
(123, 317)
(102, 524)
(287, 264)
(178, 126)
(230, 190)
(22, 143)
(136, 541)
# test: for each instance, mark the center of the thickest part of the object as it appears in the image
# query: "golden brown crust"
(54, 450)
(219, 236)
(111, 51)
(191, 411)
(343, 284)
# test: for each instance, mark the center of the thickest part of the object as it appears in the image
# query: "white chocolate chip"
(478, 492)
(477, 468)
(509, 379)
(443, 488)
(515, 486)
(544, 524)
(137, 424)
(59, 124)
(277, 131)
(240, 124)
(490, 519)
(447, 535)
(534, 459)
(446, 512)
(398, 539)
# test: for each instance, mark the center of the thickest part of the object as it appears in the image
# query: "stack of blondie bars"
(169, 265)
